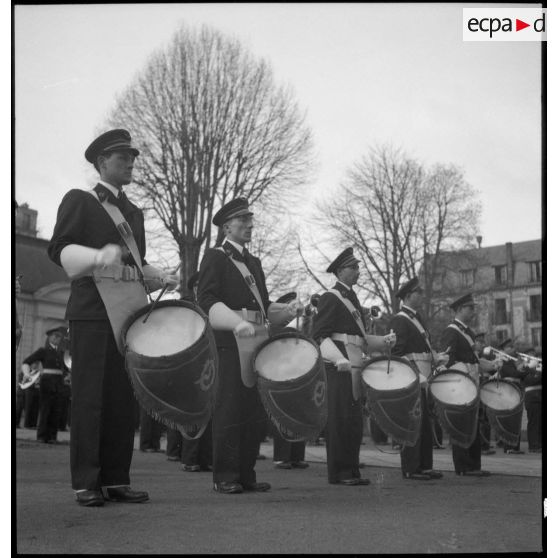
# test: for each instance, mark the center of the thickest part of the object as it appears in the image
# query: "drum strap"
(248, 279)
(352, 310)
(121, 298)
(465, 336)
(421, 329)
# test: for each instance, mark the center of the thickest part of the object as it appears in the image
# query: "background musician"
(51, 386)
(458, 337)
(413, 342)
(339, 330)
(532, 383)
(85, 241)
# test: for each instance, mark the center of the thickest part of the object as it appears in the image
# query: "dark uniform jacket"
(409, 338)
(82, 220)
(459, 348)
(49, 357)
(334, 317)
(221, 281)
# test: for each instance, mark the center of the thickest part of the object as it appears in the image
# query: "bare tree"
(400, 216)
(211, 125)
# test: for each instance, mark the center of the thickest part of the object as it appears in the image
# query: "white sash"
(424, 365)
(472, 368)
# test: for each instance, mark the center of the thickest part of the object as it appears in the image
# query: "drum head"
(168, 330)
(453, 388)
(286, 358)
(400, 375)
(500, 395)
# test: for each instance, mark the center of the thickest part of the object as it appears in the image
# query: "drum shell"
(297, 407)
(397, 411)
(458, 420)
(506, 423)
(179, 389)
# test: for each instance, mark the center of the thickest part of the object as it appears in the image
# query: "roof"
(32, 261)
(527, 251)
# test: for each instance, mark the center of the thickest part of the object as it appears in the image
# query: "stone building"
(45, 287)
(506, 281)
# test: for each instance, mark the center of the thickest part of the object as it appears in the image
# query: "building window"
(467, 277)
(500, 274)
(501, 335)
(536, 337)
(500, 312)
(535, 308)
(535, 272)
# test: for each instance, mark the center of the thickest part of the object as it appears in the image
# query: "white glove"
(442, 358)
(498, 363)
(343, 365)
(108, 255)
(244, 329)
(171, 281)
(295, 307)
(390, 339)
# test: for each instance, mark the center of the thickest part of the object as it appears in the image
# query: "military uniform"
(103, 405)
(344, 422)
(239, 416)
(532, 383)
(460, 350)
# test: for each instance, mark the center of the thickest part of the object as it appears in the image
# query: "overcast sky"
(366, 74)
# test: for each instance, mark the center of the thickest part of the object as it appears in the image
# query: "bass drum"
(172, 363)
(456, 402)
(503, 401)
(393, 397)
(292, 385)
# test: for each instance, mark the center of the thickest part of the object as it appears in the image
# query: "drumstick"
(389, 353)
(154, 303)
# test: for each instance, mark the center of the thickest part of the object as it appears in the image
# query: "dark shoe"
(125, 495)
(488, 452)
(257, 487)
(416, 476)
(90, 498)
(437, 446)
(206, 468)
(300, 465)
(282, 465)
(191, 468)
(228, 487)
(361, 465)
(479, 473)
(433, 473)
(353, 482)
(260, 456)
(149, 450)
(173, 458)
(514, 452)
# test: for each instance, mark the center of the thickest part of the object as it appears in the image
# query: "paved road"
(301, 514)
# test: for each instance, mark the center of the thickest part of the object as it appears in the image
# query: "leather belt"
(254, 316)
(117, 272)
(346, 338)
(532, 388)
(53, 371)
(419, 357)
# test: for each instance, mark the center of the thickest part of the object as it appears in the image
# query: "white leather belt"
(52, 371)
(254, 316)
(419, 357)
(346, 338)
(117, 272)
(532, 388)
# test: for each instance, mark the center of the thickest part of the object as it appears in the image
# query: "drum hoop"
(509, 383)
(165, 304)
(432, 379)
(402, 360)
(285, 335)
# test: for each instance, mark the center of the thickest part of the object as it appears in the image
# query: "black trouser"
(174, 443)
(533, 406)
(287, 451)
(200, 451)
(150, 432)
(238, 420)
(20, 405)
(64, 419)
(376, 433)
(32, 398)
(102, 423)
(344, 427)
(420, 456)
(484, 428)
(50, 406)
(468, 459)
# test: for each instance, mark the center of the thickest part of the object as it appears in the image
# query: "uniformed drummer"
(413, 342)
(339, 330)
(458, 337)
(232, 291)
(86, 240)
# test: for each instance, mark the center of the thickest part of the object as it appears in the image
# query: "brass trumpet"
(522, 357)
